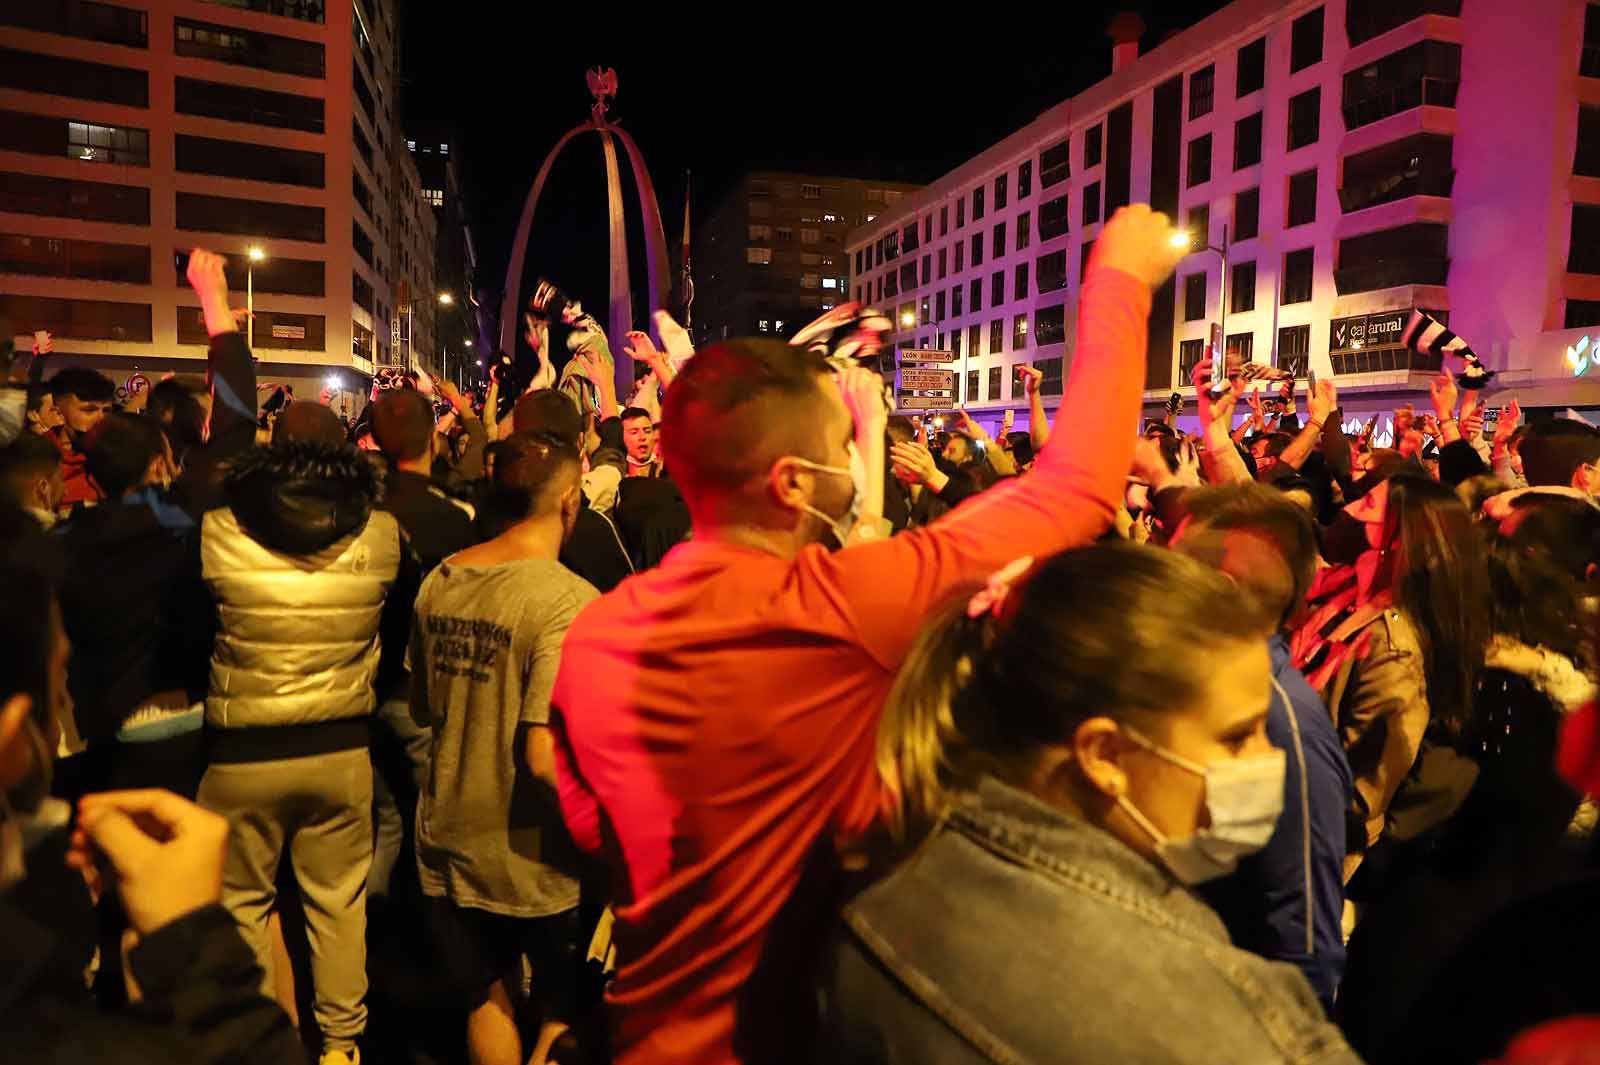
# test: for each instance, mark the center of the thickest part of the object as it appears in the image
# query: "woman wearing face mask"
(1394, 640)
(1069, 759)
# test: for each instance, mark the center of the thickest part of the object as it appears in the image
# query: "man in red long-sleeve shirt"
(718, 714)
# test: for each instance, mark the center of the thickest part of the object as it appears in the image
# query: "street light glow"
(480, 362)
(908, 319)
(468, 343)
(446, 298)
(256, 254)
(1180, 239)
(333, 382)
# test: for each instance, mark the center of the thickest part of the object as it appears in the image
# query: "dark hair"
(83, 383)
(630, 413)
(526, 468)
(120, 449)
(1441, 584)
(735, 409)
(1554, 448)
(1562, 529)
(402, 424)
(1264, 511)
(36, 394)
(1116, 623)
(174, 404)
(29, 569)
(548, 411)
(1535, 602)
(25, 458)
(1021, 448)
(900, 429)
(308, 423)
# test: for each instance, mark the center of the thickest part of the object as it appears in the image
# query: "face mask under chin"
(841, 525)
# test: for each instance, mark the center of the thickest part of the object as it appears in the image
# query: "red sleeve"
(579, 807)
(886, 589)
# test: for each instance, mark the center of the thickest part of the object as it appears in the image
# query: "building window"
(108, 144)
(996, 383)
(811, 192)
(785, 235)
(1083, 259)
(1582, 314)
(1586, 161)
(908, 239)
(1415, 254)
(961, 212)
(1240, 348)
(1305, 118)
(1000, 186)
(1055, 164)
(1019, 332)
(1428, 72)
(975, 344)
(977, 204)
(1049, 327)
(961, 254)
(891, 244)
(1246, 214)
(433, 197)
(1589, 66)
(251, 218)
(1025, 179)
(76, 78)
(1200, 225)
(975, 291)
(1247, 141)
(764, 233)
(938, 306)
(908, 277)
(361, 242)
(1583, 256)
(924, 312)
(91, 201)
(1019, 289)
(997, 342)
(809, 280)
(1194, 297)
(1202, 92)
(997, 288)
(250, 48)
(1051, 271)
(1093, 145)
(759, 256)
(1091, 207)
(813, 236)
(251, 162)
(927, 269)
(240, 103)
(83, 19)
(1053, 218)
(972, 376)
(927, 227)
(1294, 349)
(944, 220)
(977, 249)
(1199, 161)
(1419, 165)
(1252, 69)
(831, 282)
(1297, 273)
(944, 260)
(1242, 288)
(81, 319)
(1366, 19)
(1302, 198)
(84, 260)
(1305, 41)
(955, 302)
(998, 248)
(1024, 230)
(1190, 352)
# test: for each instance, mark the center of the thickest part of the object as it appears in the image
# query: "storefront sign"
(289, 332)
(1381, 330)
(1581, 357)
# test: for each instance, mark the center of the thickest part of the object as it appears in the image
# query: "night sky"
(869, 98)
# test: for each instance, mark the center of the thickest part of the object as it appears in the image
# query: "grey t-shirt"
(485, 645)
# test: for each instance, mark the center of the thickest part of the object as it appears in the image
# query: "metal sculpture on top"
(602, 87)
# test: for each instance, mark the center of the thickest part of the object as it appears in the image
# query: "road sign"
(915, 355)
(915, 378)
(934, 393)
(921, 403)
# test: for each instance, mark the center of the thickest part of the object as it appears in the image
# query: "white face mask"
(857, 472)
(1244, 797)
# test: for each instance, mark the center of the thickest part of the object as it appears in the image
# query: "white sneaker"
(340, 1057)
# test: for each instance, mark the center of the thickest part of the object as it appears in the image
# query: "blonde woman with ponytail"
(1067, 754)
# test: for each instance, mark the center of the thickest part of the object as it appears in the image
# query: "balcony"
(1391, 273)
(1376, 106)
(1366, 19)
(1393, 187)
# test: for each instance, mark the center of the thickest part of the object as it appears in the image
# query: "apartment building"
(1338, 163)
(455, 262)
(133, 131)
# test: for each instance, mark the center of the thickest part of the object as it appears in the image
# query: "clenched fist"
(1138, 241)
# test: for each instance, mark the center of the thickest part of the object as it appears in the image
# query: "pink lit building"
(1359, 159)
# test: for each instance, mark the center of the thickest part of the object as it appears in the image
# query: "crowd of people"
(750, 721)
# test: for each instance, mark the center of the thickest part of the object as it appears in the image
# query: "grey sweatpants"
(320, 809)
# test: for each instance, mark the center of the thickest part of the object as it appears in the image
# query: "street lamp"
(446, 298)
(1183, 239)
(252, 256)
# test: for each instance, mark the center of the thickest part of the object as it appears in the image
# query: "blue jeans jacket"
(1286, 902)
(1019, 934)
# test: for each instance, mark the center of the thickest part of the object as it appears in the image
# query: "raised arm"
(1038, 421)
(1322, 403)
(885, 589)
(230, 366)
(1220, 460)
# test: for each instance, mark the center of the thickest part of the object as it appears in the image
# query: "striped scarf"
(1424, 335)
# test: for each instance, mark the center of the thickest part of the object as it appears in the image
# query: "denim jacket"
(1018, 934)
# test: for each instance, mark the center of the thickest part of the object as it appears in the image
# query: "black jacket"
(652, 518)
(202, 988)
(595, 551)
(231, 373)
(133, 604)
(437, 527)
